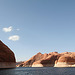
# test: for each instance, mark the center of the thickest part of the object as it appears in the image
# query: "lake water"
(38, 71)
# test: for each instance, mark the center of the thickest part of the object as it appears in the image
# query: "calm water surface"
(38, 71)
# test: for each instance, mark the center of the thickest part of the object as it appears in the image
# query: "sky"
(31, 26)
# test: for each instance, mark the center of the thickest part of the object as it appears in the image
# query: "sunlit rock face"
(40, 60)
(66, 60)
(7, 58)
(53, 59)
(33, 59)
(49, 61)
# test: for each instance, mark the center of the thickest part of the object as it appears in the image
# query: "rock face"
(66, 60)
(49, 61)
(53, 59)
(7, 58)
(35, 58)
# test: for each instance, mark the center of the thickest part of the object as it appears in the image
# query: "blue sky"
(31, 26)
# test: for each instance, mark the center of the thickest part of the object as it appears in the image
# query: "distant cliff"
(53, 59)
(7, 58)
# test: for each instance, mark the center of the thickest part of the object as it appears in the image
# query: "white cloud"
(14, 38)
(9, 29)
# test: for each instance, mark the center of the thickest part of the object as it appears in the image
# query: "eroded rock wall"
(7, 57)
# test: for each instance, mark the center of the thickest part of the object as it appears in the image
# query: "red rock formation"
(6, 56)
(53, 59)
(35, 58)
(67, 59)
(49, 61)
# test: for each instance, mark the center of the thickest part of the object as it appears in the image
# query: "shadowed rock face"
(6, 56)
(49, 61)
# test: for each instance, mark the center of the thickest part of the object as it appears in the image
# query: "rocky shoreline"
(52, 59)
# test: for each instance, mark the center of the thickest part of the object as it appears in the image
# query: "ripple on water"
(38, 71)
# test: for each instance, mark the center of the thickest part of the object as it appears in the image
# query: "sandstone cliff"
(7, 58)
(53, 59)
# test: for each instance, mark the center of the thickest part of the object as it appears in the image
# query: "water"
(38, 71)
